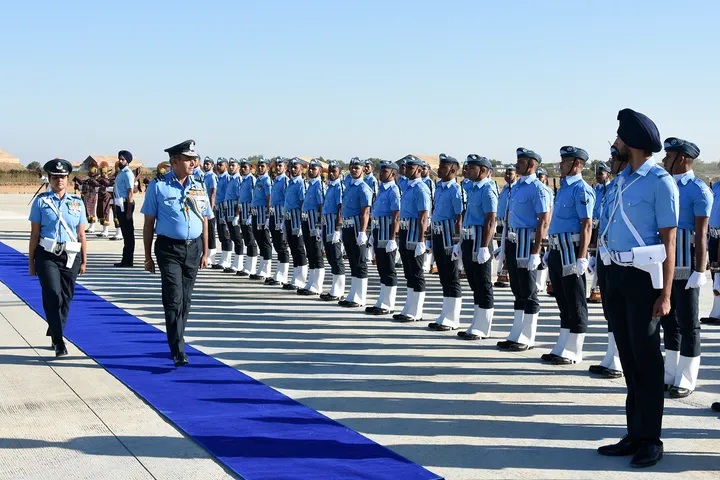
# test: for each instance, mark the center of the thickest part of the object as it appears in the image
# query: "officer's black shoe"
(60, 350)
(122, 264)
(710, 321)
(242, 274)
(271, 281)
(434, 326)
(501, 284)
(289, 286)
(505, 344)
(406, 319)
(383, 311)
(597, 369)
(343, 303)
(519, 347)
(181, 359)
(626, 446)
(398, 265)
(668, 387)
(351, 305)
(679, 392)
(715, 407)
(562, 361)
(469, 336)
(216, 266)
(328, 298)
(648, 454)
(548, 357)
(370, 309)
(609, 373)
(256, 277)
(307, 293)
(229, 270)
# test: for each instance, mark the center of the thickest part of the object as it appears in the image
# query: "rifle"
(38, 191)
(501, 255)
(555, 185)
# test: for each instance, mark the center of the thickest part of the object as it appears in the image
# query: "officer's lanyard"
(188, 201)
(618, 202)
(61, 220)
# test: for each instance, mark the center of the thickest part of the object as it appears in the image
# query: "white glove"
(420, 249)
(248, 222)
(496, 253)
(362, 239)
(484, 255)
(391, 246)
(716, 285)
(337, 238)
(696, 280)
(456, 252)
(534, 261)
(267, 223)
(581, 265)
(591, 265)
(371, 241)
(236, 221)
(545, 258)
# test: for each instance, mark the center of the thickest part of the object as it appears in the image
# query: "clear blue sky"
(342, 79)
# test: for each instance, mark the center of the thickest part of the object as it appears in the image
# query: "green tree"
(33, 166)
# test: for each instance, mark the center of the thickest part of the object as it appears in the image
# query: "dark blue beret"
(541, 172)
(448, 159)
(186, 148)
(574, 152)
(474, 159)
(602, 168)
(674, 144)
(334, 164)
(510, 168)
(221, 160)
(315, 163)
(59, 166)
(244, 161)
(403, 161)
(368, 162)
(638, 131)
(413, 160)
(231, 160)
(356, 161)
(527, 153)
(262, 161)
(297, 161)
(208, 160)
(280, 160)
(390, 165)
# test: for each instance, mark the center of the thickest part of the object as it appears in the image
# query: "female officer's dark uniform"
(55, 244)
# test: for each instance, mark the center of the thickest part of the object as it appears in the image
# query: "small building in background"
(10, 162)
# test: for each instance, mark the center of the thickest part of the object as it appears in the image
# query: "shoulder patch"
(662, 174)
(700, 183)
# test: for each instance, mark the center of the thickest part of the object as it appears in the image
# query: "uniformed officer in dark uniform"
(57, 237)
(713, 317)
(682, 325)
(277, 223)
(232, 194)
(503, 279)
(210, 180)
(332, 231)
(294, 198)
(125, 207)
(261, 219)
(641, 249)
(226, 244)
(177, 209)
(602, 178)
(244, 215)
(312, 229)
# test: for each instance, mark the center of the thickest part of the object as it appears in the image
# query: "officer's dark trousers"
(178, 262)
(279, 242)
(357, 255)
(448, 269)
(630, 300)
(602, 273)
(412, 265)
(681, 327)
(713, 252)
(385, 264)
(236, 237)
(333, 253)
(479, 276)
(570, 294)
(211, 235)
(313, 246)
(127, 227)
(297, 246)
(226, 244)
(262, 237)
(58, 288)
(248, 235)
(522, 282)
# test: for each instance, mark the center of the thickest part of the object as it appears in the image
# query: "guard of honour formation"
(645, 232)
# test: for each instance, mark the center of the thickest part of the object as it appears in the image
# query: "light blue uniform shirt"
(333, 197)
(222, 183)
(528, 198)
(387, 201)
(247, 186)
(696, 200)
(123, 182)
(599, 194)
(233, 188)
(715, 212)
(277, 194)
(263, 187)
(606, 205)
(650, 203)
(503, 199)
(372, 182)
(171, 203)
(575, 200)
(314, 195)
(482, 198)
(402, 183)
(72, 209)
(356, 196)
(295, 193)
(211, 181)
(347, 180)
(199, 174)
(415, 199)
(448, 201)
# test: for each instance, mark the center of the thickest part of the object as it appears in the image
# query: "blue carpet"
(255, 430)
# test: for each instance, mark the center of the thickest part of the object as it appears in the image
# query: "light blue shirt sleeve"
(704, 202)
(666, 213)
(457, 201)
(395, 199)
(542, 201)
(585, 203)
(150, 206)
(366, 197)
(424, 203)
(489, 200)
(35, 214)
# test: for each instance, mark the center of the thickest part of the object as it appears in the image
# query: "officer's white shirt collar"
(444, 184)
(296, 179)
(684, 178)
(573, 178)
(334, 182)
(387, 185)
(264, 175)
(356, 181)
(313, 180)
(412, 183)
(480, 183)
(528, 178)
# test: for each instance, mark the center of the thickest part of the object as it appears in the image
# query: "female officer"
(57, 237)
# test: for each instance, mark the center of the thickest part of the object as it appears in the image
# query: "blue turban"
(638, 131)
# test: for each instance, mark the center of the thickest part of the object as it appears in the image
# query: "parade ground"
(462, 410)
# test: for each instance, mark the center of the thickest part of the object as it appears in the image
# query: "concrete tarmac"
(462, 409)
